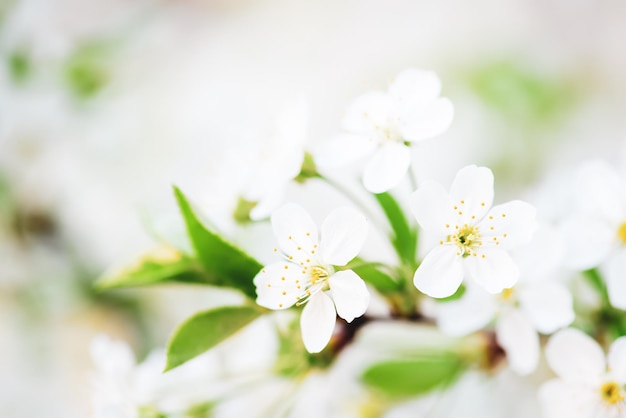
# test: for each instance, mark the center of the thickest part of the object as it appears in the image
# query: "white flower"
(584, 387)
(474, 237)
(596, 234)
(279, 160)
(535, 304)
(384, 124)
(307, 274)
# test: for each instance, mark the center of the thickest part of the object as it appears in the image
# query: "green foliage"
(224, 264)
(404, 237)
(414, 377)
(308, 170)
(243, 209)
(381, 281)
(86, 71)
(20, 66)
(205, 330)
(164, 265)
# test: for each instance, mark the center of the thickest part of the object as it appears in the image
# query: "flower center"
(621, 232)
(507, 294)
(315, 279)
(611, 393)
(467, 239)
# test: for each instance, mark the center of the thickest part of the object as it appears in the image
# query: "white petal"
(343, 235)
(368, 113)
(433, 208)
(317, 322)
(295, 231)
(429, 122)
(472, 192)
(276, 285)
(575, 357)
(268, 203)
(387, 167)
(560, 399)
(349, 293)
(414, 85)
(600, 191)
(513, 223)
(440, 274)
(617, 360)
(519, 340)
(541, 256)
(588, 241)
(548, 305)
(615, 276)
(344, 149)
(473, 311)
(492, 268)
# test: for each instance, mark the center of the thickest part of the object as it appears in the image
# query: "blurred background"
(105, 104)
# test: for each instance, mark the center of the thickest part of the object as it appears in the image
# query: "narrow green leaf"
(405, 237)
(381, 281)
(205, 330)
(162, 265)
(413, 377)
(225, 264)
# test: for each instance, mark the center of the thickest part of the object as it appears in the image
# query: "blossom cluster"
(501, 272)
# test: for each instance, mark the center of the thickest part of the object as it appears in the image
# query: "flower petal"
(295, 231)
(560, 399)
(492, 268)
(473, 311)
(415, 85)
(472, 192)
(368, 112)
(615, 276)
(432, 207)
(415, 125)
(387, 167)
(344, 149)
(343, 235)
(548, 305)
(512, 224)
(349, 293)
(317, 322)
(519, 340)
(440, 274)
(538, 259)
(617, 360)
(276, 285)
(588, 241)
(575, 357)
(600, 191)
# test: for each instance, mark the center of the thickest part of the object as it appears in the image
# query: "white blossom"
(383, 124)
(307, 274)
(475, 238)
(584, 387)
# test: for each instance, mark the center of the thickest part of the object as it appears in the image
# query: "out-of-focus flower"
(384, 124)
(475, 238)
(596, 233)
(537, 303)
(279, 160)
(585, 387)
(307, 274)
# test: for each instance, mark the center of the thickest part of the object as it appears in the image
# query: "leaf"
(205, 330)
(224, 264)
(405, 237)
(380, 280)
(413, 377)
(165, 264)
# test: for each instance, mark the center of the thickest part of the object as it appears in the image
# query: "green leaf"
(165, 264)
(381, 281)
(224, 264)
(413, 377)
(405, 237)
(205, 330)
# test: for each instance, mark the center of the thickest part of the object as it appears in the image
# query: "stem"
(595, 278)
